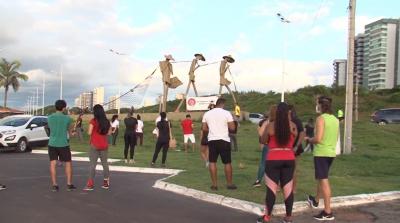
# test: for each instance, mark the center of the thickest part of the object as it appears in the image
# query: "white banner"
(200, 103)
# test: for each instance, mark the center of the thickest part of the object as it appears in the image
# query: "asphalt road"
(131, 198)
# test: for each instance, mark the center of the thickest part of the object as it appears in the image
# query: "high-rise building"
(381, 54)
(340, 70)
(78, 102)
(359, 58)
(86, 99)
(98, 95)
(114, 102)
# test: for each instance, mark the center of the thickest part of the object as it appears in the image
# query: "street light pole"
(43, 87)
(283, 20)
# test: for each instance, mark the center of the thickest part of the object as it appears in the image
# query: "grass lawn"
(373, 167)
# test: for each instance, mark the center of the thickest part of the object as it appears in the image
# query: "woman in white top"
(114, 128)
(139, 130)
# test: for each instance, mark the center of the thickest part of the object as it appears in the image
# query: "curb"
(254, 208)
(246, 206)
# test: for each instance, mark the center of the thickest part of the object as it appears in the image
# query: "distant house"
(9, 111)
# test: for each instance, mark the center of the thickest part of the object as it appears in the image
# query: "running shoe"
(2, 187)
(323, 216)
(257, 183)
(132, 161)
(231, 187)
(207, 164)
(287, 220)
(106, 184)
(214, 188)
(55, 188)
(264, 219)
(89, 185)
(312, 202)
(71, 187)
(152, 164)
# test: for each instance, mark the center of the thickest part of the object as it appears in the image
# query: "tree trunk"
(5, 97)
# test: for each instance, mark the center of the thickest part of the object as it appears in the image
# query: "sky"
(74, 36)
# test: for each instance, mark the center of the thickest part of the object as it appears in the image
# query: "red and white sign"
(199, 103)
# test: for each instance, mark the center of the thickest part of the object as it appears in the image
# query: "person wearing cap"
(167, 71)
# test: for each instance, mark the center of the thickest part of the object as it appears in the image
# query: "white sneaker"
(132, 161)
(207, 164)
(126, 161)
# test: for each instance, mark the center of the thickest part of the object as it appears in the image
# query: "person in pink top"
(99, 129)
(280, 135)
(187, 128)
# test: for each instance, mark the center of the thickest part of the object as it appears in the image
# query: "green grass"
(373, 167)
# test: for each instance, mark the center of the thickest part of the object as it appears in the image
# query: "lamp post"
(283, 21)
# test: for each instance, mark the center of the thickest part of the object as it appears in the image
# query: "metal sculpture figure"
(222, 80)
(192, 77)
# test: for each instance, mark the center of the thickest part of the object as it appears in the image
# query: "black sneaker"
(231, 187)
(257, 183)
(312, 202)
(264, 219)
(71, 187)
(2, 187)
(214, 188)
(55, 188)
(323, 216)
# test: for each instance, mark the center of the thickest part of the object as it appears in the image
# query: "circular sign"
(191, 102)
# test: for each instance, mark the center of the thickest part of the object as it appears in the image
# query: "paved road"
(131, 198)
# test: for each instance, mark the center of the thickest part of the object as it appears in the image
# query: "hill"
(304, 100)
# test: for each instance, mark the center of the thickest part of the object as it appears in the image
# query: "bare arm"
(302, 135)
(204, 127)
(319, 131)
(90, 129)
(231, 126)
(263, 132)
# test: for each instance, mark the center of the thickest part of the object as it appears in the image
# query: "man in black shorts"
(59, 125)
(217, 122)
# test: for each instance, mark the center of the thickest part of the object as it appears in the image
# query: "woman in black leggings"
(130, 137)
(162, 140)
(280, 135)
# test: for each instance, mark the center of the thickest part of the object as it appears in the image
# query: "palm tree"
(10, 76)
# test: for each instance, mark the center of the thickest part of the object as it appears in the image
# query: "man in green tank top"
(325, 139)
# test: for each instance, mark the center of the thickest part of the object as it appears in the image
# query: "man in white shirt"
(139, 130)
(218, 122)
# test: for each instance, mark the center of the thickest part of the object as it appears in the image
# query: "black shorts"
(322, 166)
(60, 153)
(219, 148)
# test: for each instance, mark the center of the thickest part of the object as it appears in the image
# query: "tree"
(9, 76)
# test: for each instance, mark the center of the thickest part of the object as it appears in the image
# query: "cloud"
(75, 35)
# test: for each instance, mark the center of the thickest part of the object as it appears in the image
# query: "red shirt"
(275, 151)
(98, 141)
(187, 126)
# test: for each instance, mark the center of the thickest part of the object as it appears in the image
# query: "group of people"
(281, 136)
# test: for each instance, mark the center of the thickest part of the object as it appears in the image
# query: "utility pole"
(356, 98)
(348, 119)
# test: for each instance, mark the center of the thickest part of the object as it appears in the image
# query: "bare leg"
(204, 153)
(53, 174)
(213, 173)
(326, 193)
(186, 147)
(193, 145)
(228, 173)
(68, 172)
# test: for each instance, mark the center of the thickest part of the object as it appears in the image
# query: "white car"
(21, 132)
(255, 117)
